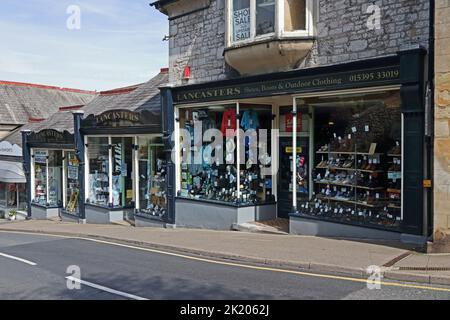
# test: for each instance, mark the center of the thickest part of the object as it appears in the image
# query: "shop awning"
(11, 172)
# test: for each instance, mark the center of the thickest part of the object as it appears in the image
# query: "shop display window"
(209, 168)
(98, 154)
(255, 185)
(12, 195)
(3, 194)
(152, 177)
(72, 182)
(48, 177)
(357, 165)
(22, 196)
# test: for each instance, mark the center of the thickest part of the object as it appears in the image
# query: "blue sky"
(119, 43)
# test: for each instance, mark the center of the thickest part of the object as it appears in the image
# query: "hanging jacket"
(228, 121)
(250, 120)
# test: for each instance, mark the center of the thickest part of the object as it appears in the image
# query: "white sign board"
(40, 156)
(241, 24)
(8, 149)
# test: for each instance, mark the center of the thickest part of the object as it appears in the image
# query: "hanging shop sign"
(121, 118)
(369, 77)
(40, 156)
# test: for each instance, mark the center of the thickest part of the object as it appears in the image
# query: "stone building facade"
(442, 124)
(197, 39)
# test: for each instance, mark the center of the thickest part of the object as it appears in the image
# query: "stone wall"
(198, 39)
(442, 123)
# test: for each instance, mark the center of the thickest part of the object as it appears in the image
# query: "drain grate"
(424, 268)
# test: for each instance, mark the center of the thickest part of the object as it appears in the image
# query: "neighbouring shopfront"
(53, 176)
(339, 150)
(12, 179)
(124, 167)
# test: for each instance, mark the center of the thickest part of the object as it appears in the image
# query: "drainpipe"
(430, 125)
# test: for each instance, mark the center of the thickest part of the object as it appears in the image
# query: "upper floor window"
(250, 20)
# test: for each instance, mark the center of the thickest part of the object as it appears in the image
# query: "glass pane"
(55, 178)
(2, 193)
(98, 171)
(40, 177)
(358, 159)
(152, 177)
(241, 19)
(22, 196)
(208, 168)
(294, 15)
(72, 183)
(256, 155)
(122, 172)
(11, 195)
(265, 16)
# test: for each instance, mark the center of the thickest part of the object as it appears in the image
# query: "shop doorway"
(285, 186)
(122, 173)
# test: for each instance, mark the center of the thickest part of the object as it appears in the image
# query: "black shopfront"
(345, 152)
(123, 168)
(51, 169)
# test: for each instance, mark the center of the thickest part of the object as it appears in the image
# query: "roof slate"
(20, 102)
(135, 98)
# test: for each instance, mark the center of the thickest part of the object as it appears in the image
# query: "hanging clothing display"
(228, 121)
(250, 120)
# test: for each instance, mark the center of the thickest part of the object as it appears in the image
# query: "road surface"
(35, 267)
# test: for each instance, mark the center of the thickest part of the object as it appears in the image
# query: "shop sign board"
(121, 118)
(8, 149)
(48, 136)
(340, 80)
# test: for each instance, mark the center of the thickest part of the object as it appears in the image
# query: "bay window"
(251, 20)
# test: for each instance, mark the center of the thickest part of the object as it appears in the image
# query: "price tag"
(377, 196)
(341, 211)
(354, 129)
(367, 128)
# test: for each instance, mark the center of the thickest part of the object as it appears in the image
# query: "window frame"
(279, 24)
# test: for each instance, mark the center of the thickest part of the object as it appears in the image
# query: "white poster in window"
(241, 24)
(40, 156)
(72, 172)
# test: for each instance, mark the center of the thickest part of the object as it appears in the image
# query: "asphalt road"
(115, 272)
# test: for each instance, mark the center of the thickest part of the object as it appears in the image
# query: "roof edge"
(43, 86)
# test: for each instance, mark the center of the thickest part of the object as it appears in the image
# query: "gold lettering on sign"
(117, 116)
